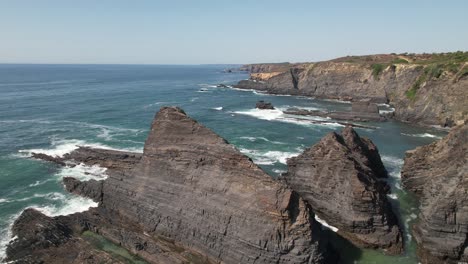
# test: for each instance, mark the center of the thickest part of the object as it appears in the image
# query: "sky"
(224, 32)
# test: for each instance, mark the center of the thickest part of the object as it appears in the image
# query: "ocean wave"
(37, 183)
(423, 135)
(83, 172)
(6, 234)
(217, 108)
(387, 111)
(253, 139)
(36, 121)
(69, 205)
(279, 172)
(278, 115)
(268, 157)
(4, 200)
(61, 147)
(392, 161)
(392, 196)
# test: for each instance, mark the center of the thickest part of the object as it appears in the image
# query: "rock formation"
(264, 105)
(427, 89)
(341, 177)
(438, 174)
(190, 195)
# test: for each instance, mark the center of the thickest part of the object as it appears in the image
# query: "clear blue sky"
(217, 31)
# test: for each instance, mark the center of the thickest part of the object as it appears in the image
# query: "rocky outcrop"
(37, 236)
(438, 174)
(341, 177)
(264, 105)
(193, 194)
(421, 89)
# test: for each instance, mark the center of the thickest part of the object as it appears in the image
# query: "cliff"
(427, 89)
(191, 197)
(438, 174)
(341, 178)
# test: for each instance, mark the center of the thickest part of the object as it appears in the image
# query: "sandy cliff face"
(420, 93)
(438, 174)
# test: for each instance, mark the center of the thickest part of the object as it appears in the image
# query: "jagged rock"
(264, 105)
(341, 178)
(91, 188)
(438, 174)
(190, 192)
(37, 236)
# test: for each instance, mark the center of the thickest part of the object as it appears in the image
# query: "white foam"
(4, 200)
(37, 183)
(387, 111)
(83, 172)
(424, 135)
(74, 204)
(278, 115)
(253, 139)
(325, 224)
(393, 196)
(6, 234)
(278, 171)
(217, 108)
(393, 162)
(268, 157)
(62, 147)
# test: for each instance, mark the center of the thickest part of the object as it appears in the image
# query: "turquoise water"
(53, 108)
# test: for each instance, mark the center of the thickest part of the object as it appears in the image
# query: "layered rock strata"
(190, 195)
(342, 178)
(438, 174)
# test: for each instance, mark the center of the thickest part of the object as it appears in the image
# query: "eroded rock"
(341, 178)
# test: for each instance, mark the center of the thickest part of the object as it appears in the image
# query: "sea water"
(52, 109)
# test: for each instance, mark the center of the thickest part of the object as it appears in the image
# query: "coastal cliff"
(189, 198)
(341, 178)
(438, 175)
(429, 89)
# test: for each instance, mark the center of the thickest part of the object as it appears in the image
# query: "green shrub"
(411, 92)
(399, 61)
(377, 68)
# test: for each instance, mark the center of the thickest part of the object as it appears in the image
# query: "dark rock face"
(340, 178)
(192, 195)
(438, 174)
(364, 106)
(264, 105)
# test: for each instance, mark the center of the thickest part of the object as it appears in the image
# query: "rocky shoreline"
(423, 89)
(191, 197)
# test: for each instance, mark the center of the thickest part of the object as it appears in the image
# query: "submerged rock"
(193, 195)
(341, 178)
(438, 174)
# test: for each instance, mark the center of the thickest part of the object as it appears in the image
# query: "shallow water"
(53, 108)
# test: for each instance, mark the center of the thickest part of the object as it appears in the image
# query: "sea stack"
(190, 196)
(342, 178)
(438, 174)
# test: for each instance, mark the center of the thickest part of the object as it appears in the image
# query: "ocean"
(53, 108)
